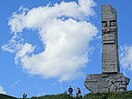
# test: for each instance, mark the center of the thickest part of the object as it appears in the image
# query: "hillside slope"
(124, 95)
(2, 96)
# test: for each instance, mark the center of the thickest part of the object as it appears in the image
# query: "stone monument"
(111, 80)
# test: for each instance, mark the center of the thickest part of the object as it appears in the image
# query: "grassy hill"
(124, 95)
(2, 96)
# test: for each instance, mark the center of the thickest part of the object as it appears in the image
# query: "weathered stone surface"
(110, 63)
(111, 80)
(99, 83)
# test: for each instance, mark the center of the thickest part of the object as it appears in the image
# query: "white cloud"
(126, 57)
(14, 44)
(25, 51)
(33, 18)
(65, 31)
(2, 90)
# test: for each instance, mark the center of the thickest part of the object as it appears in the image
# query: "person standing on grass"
(78, 92)
(70, 91)
(24, 95)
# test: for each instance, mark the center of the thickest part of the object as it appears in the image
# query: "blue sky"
(26, 64)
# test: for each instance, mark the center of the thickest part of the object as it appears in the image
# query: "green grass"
(6, 97)
(124, 95)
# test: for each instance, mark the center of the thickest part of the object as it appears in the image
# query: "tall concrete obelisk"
(111, 80)
(110, 62)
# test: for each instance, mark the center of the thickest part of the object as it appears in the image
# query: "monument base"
(99, 83)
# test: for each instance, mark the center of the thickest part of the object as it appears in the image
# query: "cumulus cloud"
(2, 90)
(126, 57)
(65, 31)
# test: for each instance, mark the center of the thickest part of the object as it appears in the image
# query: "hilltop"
(123, 95)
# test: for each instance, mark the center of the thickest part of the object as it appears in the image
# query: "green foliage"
(123, 95)
(2, 96)
(60, 96)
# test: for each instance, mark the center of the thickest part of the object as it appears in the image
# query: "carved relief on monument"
(104, 24)
(118, 83)
(108, 37)
(113, 23)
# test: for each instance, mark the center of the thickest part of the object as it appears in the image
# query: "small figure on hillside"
(78, 92)
(24, 95)
(70, 91)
